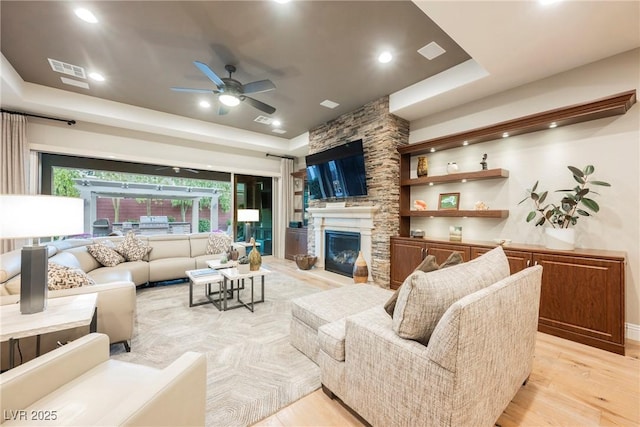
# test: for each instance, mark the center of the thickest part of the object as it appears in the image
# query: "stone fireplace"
(355, 220)
(381, 133)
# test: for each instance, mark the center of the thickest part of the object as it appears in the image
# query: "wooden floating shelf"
(491, 213)
(456, 177)
(611, 106)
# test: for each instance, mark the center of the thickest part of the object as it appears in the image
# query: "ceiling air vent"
(431, 51)
(279, 131)
(263, 119)
(65, 68)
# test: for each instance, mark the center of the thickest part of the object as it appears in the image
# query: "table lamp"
(248, 216)
(28, 216)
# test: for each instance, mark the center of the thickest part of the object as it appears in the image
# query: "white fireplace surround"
(358, 219)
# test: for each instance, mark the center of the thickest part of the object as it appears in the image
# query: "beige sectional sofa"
(80, 385)
(456, 350)
(169, 258)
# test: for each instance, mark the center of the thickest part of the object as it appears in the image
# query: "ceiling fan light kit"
(230, 91)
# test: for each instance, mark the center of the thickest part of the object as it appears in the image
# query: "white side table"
(60, 314)
(203, 276)
(232, 275)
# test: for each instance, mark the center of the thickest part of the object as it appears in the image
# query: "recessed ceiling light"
(96, 76)
(86, 15)
(547, 2)
(329, 104)
(204, 104)
(464, 180)
(553, 125)
(385, 57)
(276, 123)
(465, 143)
(431, 184)
(282, 1)
(505, 135)
(433, 150)
(280, 131)
(431, 51)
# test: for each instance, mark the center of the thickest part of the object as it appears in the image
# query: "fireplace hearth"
(341, 251)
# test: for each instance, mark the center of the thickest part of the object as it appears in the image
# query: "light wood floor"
(571, 385)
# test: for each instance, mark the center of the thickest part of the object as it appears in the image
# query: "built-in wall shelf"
(456, 213)
(610, 106)
(457, 177)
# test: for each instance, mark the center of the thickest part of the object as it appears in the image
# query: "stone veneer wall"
(381, 133)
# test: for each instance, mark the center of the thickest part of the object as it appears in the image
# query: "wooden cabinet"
(582, 295)
(295, 242)
(406, 255)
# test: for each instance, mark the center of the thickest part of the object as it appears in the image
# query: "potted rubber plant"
(559, 218)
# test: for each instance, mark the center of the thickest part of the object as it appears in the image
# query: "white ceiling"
(510, 43)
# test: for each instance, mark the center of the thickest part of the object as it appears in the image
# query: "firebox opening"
(341, 251)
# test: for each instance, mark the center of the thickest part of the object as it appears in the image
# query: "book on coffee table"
(203, 272)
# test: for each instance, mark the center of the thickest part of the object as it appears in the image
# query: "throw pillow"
(60, 277)
(427, 265)
(218, 243)
(105, 255)
(133, 248)
(424, 297)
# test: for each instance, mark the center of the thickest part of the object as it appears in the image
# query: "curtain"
(285, 203)
(14, 162)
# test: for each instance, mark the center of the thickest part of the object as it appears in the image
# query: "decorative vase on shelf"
(560, 238)
(255, 259)
(360, 270)
(233, 254)
(423, 167)
(452, 167)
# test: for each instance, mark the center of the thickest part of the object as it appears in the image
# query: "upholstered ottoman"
(312, 311)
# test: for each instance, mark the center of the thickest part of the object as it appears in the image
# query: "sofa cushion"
(61, 277)
(427, 265)
(105, 255)
(424, 297)
(218, 243)
(132, 248)
(331, 338)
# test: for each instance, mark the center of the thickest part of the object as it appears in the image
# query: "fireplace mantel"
(357, 219)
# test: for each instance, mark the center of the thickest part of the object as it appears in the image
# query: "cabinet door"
(295, 242)
(582, 299)
(442, 251)
(518, 260)
(405, 257)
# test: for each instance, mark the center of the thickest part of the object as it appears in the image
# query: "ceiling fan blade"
(209, 73)
(187, 89)
(259, 105)
(222, 110)
(259, 86)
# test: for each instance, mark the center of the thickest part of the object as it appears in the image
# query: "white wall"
(610, 144)
(106, 142)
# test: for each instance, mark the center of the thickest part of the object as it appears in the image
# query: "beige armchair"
(78, 384)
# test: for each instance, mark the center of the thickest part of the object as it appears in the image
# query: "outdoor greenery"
(573, 204)
(63, 185)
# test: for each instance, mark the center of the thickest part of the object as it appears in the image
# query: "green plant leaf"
(591, 204)
(534, 187)
(588, 170)
(579, 179)
(548, 215)
(531, 215)
(582, 192)
(601, 183)
(524, 200)
(542, 197)
(541, 221)
(534, 197)
(576, 172)
(584, 213)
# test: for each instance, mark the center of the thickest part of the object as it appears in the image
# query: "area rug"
(252, 370)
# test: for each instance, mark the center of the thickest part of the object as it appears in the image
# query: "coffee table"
(60, 314)
(207, 277)
(231, 275)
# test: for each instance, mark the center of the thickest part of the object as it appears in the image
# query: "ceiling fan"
(177, 169)
(231, 91)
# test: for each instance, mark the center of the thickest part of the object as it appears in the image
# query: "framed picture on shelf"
(449, 201)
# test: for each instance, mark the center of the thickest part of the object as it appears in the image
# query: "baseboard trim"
(632, 332)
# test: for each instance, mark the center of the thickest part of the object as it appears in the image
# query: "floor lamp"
(32, 217)
(248, 216)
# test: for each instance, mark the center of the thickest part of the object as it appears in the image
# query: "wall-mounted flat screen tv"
(337, 172)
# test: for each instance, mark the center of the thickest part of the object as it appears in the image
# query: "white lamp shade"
(23, 216)
(248, 215)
